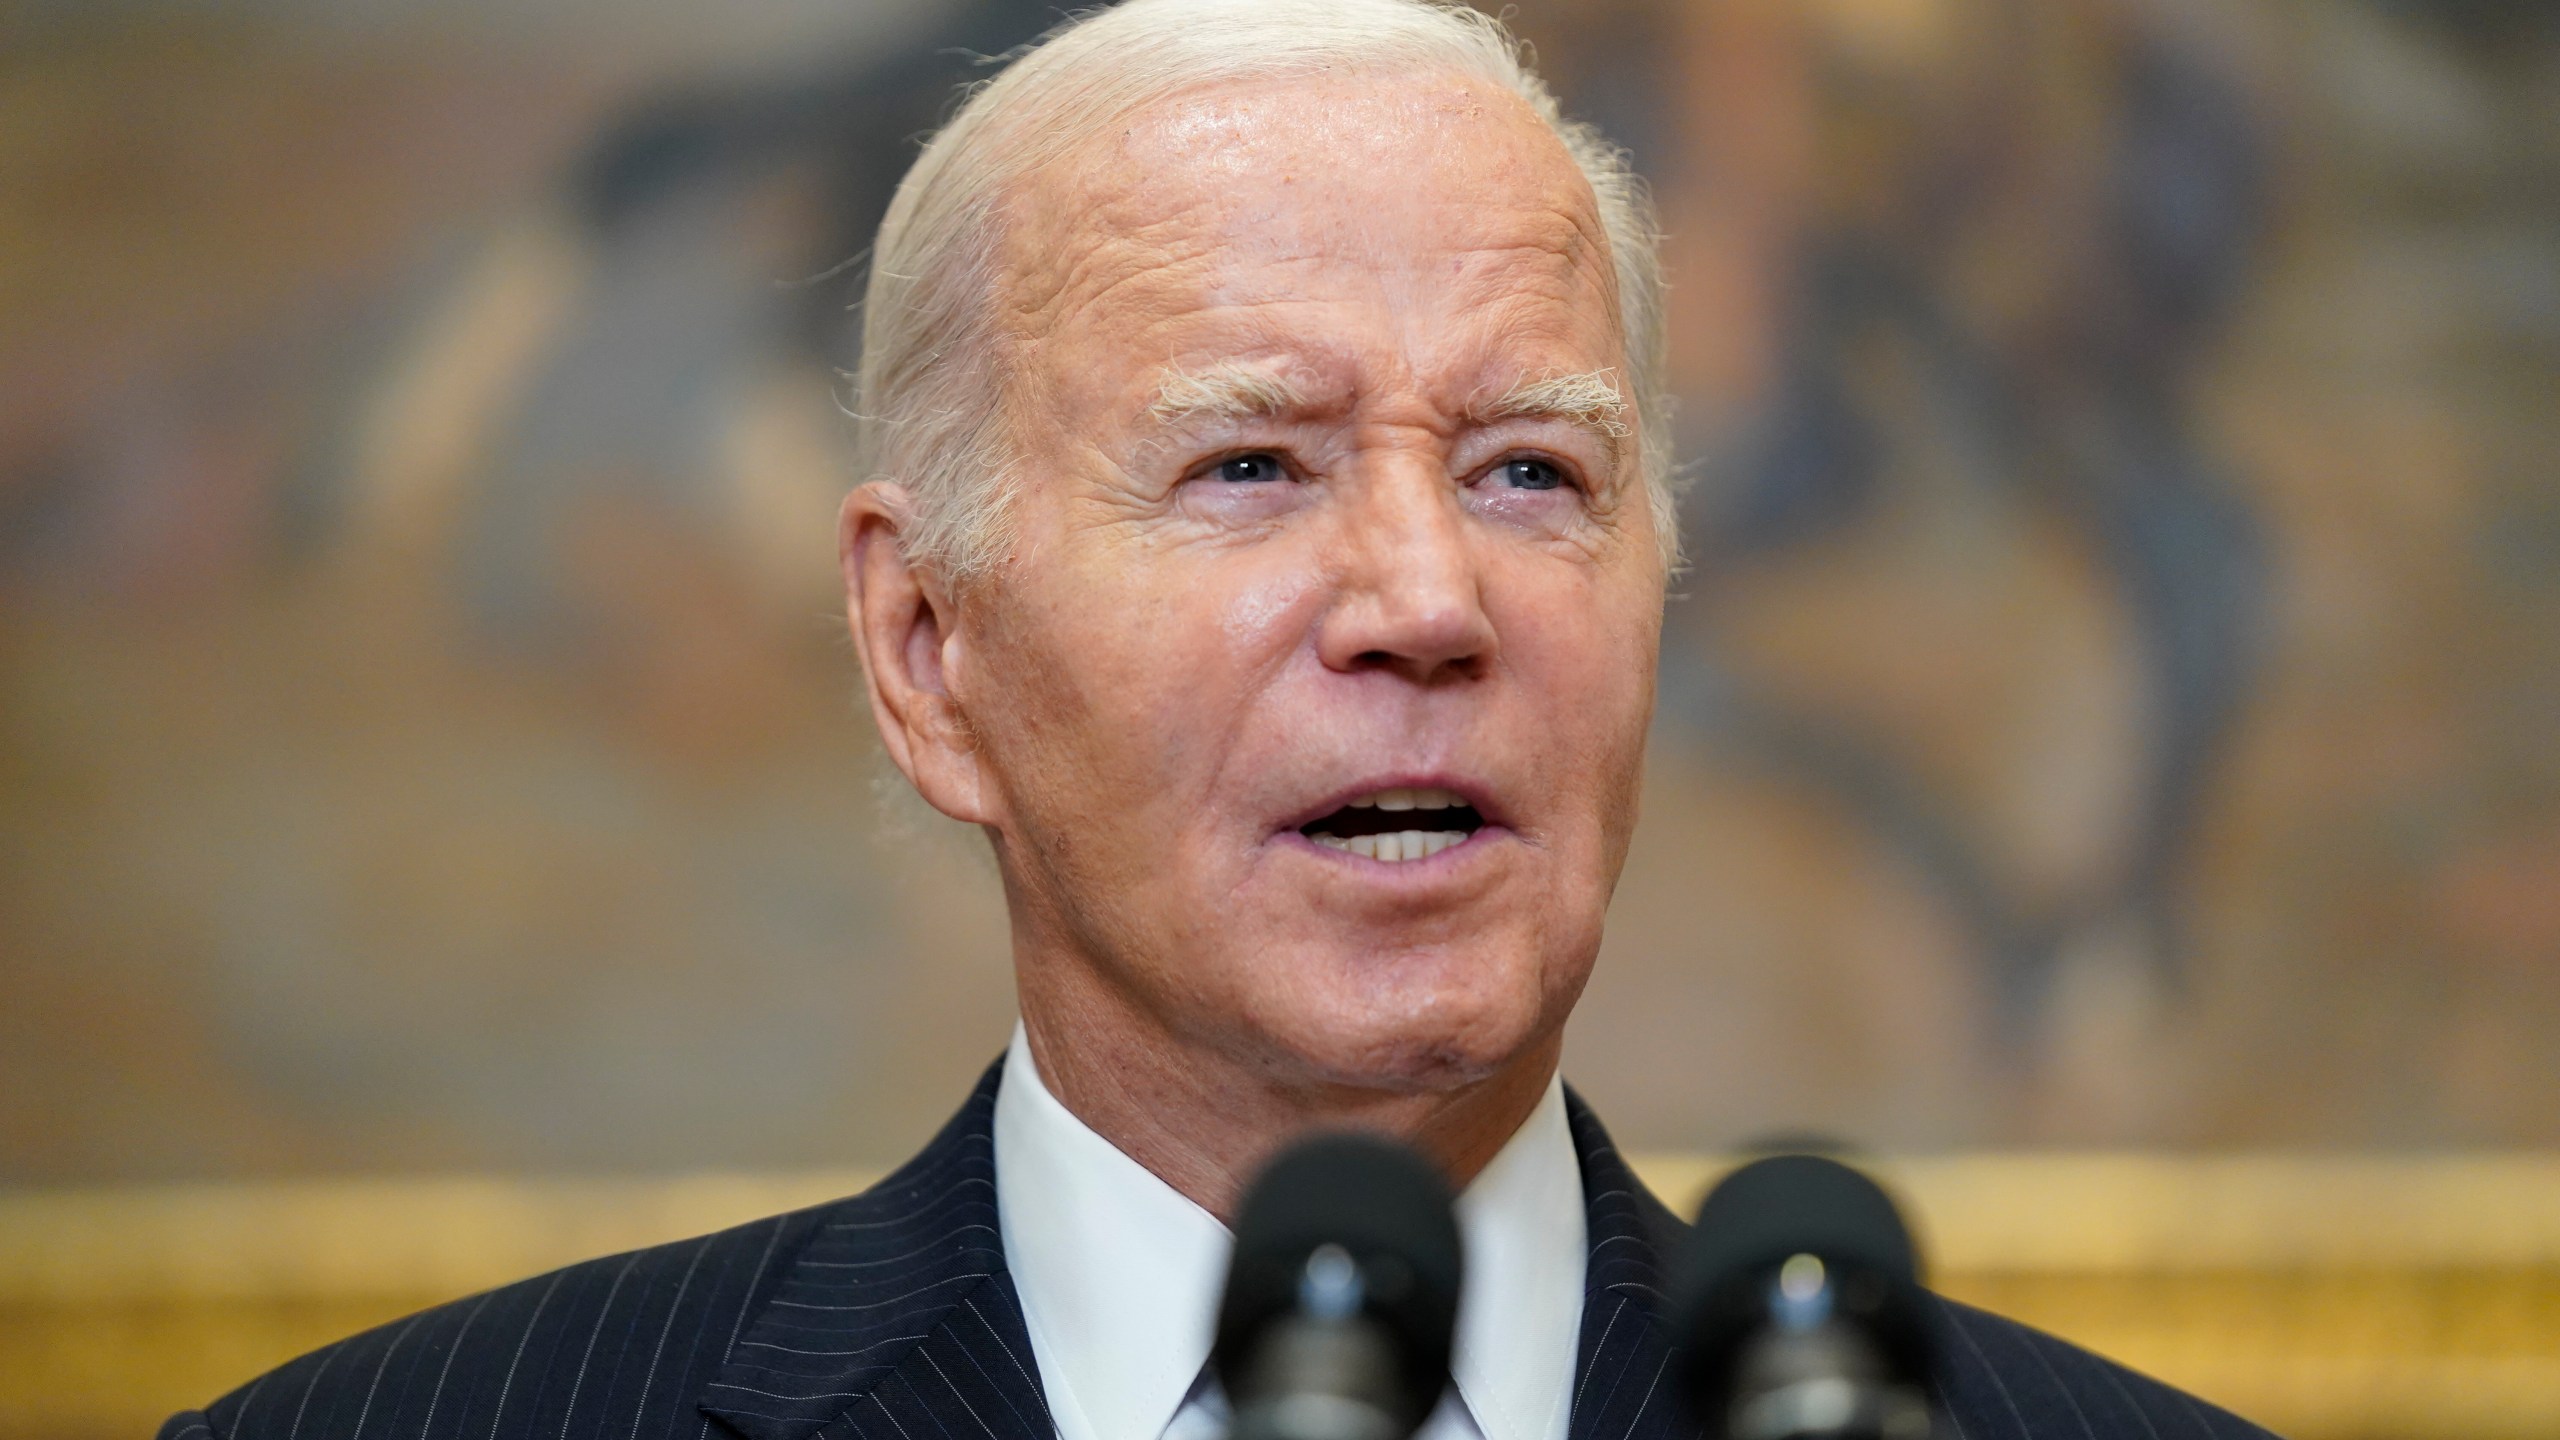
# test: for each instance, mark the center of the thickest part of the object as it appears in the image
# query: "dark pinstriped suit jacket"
(890, 1316)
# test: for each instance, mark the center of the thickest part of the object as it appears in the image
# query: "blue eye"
(1249, 469)
(1529, 474)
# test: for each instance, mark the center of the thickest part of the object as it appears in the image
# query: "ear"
(903, 628)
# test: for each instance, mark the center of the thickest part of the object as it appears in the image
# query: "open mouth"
(1397, 825)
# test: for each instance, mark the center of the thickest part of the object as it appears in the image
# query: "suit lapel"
(1623, 1389)
(896, 1318)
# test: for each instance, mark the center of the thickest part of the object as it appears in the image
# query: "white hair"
(929, 403)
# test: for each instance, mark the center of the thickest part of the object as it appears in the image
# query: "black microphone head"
(1799, 1266)
(1381, 1208)
(1782, 1205)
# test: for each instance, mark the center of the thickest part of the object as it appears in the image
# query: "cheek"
(1206, 670)
(1586, 655)
(1587, 643)
(1142, 670)
(1261, 616)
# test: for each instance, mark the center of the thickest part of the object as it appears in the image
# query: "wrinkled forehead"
(1232, 206)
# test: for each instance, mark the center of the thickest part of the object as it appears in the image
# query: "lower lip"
(1476, 841)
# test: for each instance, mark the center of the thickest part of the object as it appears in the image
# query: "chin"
(1412, 1038)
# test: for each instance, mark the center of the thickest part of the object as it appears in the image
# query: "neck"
(1205, 1121)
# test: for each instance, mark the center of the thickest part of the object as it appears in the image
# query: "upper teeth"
(1409, 800)
(1396, 845)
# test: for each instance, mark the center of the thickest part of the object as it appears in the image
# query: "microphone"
(1342, 1296)
(1798, 1308)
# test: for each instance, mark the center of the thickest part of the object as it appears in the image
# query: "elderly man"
(1266, 553)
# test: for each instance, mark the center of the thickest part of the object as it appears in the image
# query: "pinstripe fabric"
(1621, 1375)
(898, 1318)
(887, 1314)
(890, 1316)
(1996, 1380)
(2000, 1380)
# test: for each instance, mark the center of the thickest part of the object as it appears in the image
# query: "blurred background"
(2112, 708)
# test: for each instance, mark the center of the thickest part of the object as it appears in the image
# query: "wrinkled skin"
(1213, 628)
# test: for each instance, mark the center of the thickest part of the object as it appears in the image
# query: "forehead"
(1253, 218)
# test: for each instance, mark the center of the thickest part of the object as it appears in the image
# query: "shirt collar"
(1119, 1273)
(1527, 1244)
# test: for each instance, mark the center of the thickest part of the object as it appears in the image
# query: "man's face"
(1310, 705)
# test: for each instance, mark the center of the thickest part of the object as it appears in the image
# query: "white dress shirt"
(1120, 1275)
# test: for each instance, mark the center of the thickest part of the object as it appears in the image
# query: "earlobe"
(902, 621)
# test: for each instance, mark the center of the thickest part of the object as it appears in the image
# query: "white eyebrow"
(1228, 391)
(1591, 400)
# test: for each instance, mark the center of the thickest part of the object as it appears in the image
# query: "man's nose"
(1411, 598)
